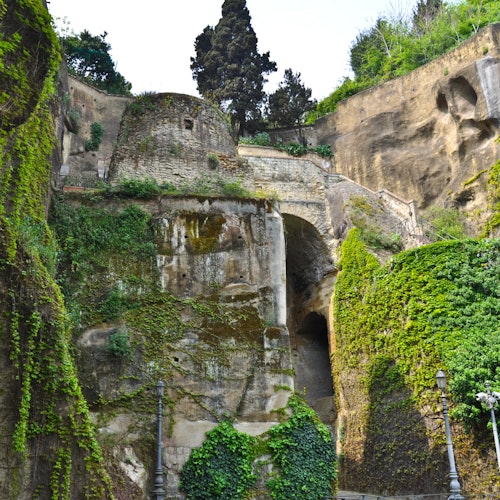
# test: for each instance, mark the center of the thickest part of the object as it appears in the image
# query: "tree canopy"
(287, 106)
(228, 67)
(88, 57)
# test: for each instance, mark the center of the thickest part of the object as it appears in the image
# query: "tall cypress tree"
(228, 68)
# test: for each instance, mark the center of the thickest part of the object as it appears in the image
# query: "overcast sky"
(152, 41)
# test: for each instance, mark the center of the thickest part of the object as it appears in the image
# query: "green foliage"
(259, 139)
(363, 215)
(304, 453)
(330, 103)
(222, 467)
(142, 104)
(94, 142)
(430, 305)
(119, 345)
(51, 407)
(394, 46)
(292, 148)
(235, 189)
(493, 185)
(146, 188)
(288, 104)
(88, 57)
(213, 161)
(228, 68)
(446, 223)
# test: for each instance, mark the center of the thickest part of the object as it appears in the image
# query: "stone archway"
(310, 278)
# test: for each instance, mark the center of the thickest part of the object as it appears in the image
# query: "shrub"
(213, 161)
(118, 345)
(447, 223)
(222, 467)
(96, 132)
(304, 452)
(139, 188)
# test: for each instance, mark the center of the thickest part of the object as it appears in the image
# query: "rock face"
(421, 136)
(82, 106)
(271, 267)
(210, 320)
(173, 138)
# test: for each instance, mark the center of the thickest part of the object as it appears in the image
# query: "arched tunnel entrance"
(310, 278)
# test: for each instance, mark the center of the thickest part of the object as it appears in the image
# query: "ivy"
(304, 453)
(51, 407)
(96, 132)
(222, 467)
(301, 450)
(429, 307)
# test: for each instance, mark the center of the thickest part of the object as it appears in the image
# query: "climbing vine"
(303, 452)
(302, 457)
(51, 409)
(395, 325)
(222, 467)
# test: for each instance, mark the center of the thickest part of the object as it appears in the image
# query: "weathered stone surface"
(84, 106)
(421, 136)
(224, 261)
(179, 139)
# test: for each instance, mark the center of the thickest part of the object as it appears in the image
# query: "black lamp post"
(159, 492)
(454, 483)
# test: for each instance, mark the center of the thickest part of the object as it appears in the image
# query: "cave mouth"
(309, 277)
(313, 369)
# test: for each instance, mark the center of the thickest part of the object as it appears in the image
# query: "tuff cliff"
(220, 281)
(425, 134)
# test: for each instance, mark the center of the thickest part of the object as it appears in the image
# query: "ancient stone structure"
(419, 137)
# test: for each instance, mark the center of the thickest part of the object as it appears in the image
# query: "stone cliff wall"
(424, 134)
(209, 319)
(82, 106)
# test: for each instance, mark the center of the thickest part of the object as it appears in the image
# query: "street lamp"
(490, 399)
(454, 483)
(159, 492)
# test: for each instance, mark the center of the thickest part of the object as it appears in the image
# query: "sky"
(152, 41)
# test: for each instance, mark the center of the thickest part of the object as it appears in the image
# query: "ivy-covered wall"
(188, 290)
(48, 442)
(395, 325)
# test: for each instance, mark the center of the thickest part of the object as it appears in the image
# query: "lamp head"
(482, 396)
(159, 389)
(441, 379)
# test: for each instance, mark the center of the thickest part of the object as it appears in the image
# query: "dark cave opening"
(310, 276)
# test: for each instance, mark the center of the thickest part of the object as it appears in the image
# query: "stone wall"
(174, 138)
(424, 134)
(226, 260)
(82, 106)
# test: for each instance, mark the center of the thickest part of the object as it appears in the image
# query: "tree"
(370, 50)
(288, 105)
(228, 68)
(88, 57)
(424, 12)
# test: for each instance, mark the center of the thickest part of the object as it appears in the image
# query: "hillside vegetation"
(395, 325)
(396, 45)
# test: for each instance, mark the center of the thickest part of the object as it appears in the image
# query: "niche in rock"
(312, 364)
(309, 273)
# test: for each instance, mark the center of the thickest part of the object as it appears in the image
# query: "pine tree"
(287, 106)
(88, 57)
(228, 68)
